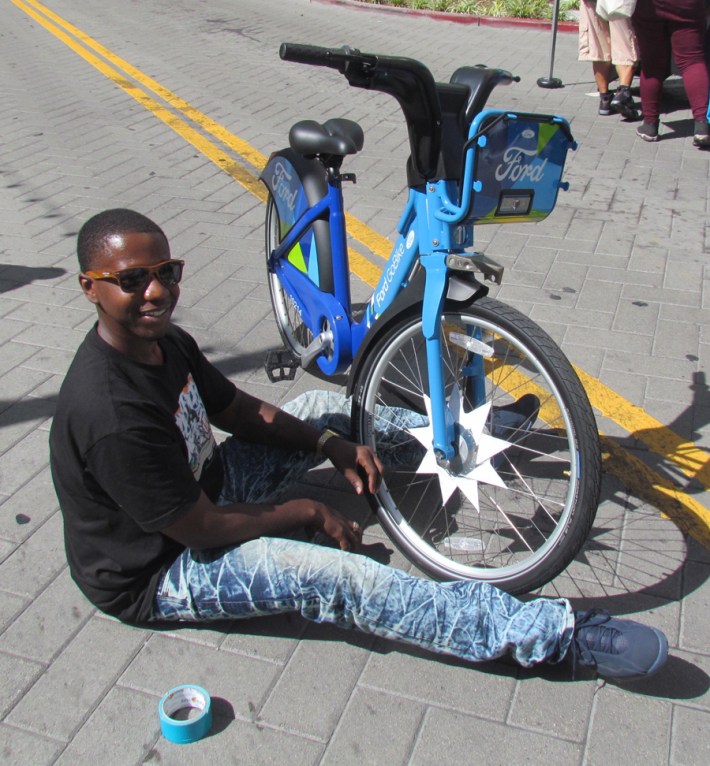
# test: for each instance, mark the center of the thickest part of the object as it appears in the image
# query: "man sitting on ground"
(161, 523)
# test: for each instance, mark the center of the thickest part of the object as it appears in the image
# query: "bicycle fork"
(443, 425)
(440, 267)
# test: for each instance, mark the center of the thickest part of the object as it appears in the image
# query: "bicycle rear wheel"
(515, 509)
(296, 336)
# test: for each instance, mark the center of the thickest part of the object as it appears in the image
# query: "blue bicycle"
(490, 445)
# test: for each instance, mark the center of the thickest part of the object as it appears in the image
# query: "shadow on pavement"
(678, 679)
(13, 276)
(687, 426)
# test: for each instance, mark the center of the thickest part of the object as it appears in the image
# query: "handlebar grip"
(343, 59)
(306, 54)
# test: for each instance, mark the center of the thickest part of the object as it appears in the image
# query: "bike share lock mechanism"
(472, 262)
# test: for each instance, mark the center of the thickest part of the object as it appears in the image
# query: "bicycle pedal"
(280, 365)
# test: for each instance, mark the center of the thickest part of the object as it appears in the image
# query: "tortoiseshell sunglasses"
(135, 280)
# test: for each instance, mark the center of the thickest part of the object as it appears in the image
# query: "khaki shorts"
(601, 40)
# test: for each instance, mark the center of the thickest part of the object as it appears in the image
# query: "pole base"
(549, 82)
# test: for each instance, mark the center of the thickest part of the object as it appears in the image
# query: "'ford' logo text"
(517, 167)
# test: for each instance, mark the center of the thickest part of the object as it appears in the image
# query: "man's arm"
(207, 525)
(251, 419)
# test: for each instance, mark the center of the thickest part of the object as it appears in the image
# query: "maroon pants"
(662, 27)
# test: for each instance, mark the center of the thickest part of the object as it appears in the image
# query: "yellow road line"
(693, 461)
(193, 137)
(240, 146)
(373, 241)
(363, 267)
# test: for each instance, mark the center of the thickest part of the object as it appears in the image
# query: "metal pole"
(552, 82)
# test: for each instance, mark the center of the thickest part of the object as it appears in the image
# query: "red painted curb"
(460, 18)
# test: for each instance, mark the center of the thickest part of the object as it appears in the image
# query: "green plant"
(526, 9)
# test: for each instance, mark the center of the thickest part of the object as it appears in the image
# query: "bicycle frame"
(457, 392)
(434, 227)
(332, 312)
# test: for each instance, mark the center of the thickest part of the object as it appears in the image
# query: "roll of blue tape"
(185, 714)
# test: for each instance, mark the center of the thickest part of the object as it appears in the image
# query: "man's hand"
(358, 464)
(251, 419)
(348, 534)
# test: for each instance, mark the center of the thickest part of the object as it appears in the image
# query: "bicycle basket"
(518, 160)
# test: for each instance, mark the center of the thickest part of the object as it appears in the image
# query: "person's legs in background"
(624, 55)
(688, 46)
(622, 101)
(595, 46)
(658, 33)
(654, 50)
(602, 76)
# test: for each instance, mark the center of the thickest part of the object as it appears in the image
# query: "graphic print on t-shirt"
(191, 418)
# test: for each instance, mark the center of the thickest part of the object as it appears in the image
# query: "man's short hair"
(93, 234)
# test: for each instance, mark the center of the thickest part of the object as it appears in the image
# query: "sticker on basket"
(519, 167)
(185, 714)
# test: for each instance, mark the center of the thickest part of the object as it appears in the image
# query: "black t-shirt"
(130, 449)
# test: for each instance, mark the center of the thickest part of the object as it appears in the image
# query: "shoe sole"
(648, 139)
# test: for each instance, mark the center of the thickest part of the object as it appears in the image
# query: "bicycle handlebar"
(407, 80)
(316, 55)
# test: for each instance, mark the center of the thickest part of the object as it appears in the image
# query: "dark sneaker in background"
(623, 103)
(507, 422)
(701, 135)
(605, 107)
(648, 131)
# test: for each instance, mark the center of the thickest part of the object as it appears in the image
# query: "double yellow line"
(643, 482)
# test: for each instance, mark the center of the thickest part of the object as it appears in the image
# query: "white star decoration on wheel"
(475, 447)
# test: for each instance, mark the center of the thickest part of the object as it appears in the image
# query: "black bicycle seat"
(334, 137)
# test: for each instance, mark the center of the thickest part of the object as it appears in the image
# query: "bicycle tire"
(530, 528)
(294, 333)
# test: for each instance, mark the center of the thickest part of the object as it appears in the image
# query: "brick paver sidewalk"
(618, 275)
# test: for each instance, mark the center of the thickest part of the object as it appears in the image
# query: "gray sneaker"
(648, 131)
(616, 648)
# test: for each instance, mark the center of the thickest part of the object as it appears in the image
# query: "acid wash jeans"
(471, 620)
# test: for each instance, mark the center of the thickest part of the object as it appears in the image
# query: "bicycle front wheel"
(294, 333)
(517, 503)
